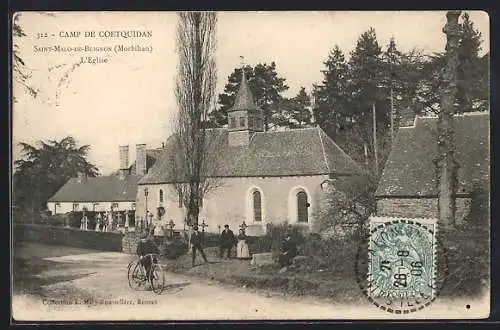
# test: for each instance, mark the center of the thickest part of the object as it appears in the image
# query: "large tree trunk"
(446, 163)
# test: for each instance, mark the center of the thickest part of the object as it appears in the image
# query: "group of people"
(102, 223)
(226, 243)
(228, 240)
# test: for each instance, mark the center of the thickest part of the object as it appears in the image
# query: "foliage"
(266, 86)
(293, 112)
(175, 247)
(467, 250)
(371, 75)
(275, 234)
(43, 170)
(346, 204)
(472, 73)
(21, 73)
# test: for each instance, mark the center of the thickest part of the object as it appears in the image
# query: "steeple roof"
(244, 99)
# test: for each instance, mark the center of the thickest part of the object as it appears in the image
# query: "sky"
(130, 99)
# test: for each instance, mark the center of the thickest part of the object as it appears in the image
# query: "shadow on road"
(175, 287)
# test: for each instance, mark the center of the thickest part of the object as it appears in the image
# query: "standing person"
(226, 242)
(98, 222)
(85, 222)
(196, 244)
(159, 232)
(242, 247)
(105, 222)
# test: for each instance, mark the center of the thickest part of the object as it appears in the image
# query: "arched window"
(161, 195)
(302, 206)
(232, 122)
(242, 121)
(257, 206)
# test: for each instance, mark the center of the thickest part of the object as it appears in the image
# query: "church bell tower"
(244, 118)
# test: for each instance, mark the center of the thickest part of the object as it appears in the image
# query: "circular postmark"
(400, 266)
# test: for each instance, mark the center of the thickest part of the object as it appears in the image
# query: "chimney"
(123, 154)
(123, 157)
(140, 159)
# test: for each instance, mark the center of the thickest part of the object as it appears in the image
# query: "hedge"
(106, 241)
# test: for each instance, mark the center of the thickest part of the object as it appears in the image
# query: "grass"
(323, 284)
(466, 257)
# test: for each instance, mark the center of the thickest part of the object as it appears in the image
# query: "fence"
(107, 241)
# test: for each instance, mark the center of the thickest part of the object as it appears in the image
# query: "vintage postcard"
(250, 165)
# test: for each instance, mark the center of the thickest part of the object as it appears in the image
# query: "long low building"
(116, 192)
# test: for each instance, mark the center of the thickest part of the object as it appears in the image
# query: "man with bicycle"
(146, 246)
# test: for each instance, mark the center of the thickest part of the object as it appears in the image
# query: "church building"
(262, 176)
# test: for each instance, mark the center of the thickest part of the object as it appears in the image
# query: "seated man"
(145, 246)
(288, 251)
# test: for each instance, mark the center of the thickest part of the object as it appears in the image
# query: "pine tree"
(330, 96)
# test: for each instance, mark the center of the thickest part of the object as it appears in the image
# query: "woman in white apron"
(242, 247)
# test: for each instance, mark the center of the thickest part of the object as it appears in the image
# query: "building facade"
(408, 186)
(258, 177)
(116, 192)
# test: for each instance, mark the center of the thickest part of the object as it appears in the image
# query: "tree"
(44, 169)
(20, 73)
(266, 87)
(472, 74)
(446, 163)
(294, 112)
(331, 95)
(195, 96)
(366, 91)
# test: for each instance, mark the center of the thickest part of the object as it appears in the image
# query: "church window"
(257, 206)
(161, 195)
(180, 199)
(232, 122)
(242, 121)
(302, 207)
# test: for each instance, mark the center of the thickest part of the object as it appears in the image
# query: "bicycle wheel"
(137, 278)
(157, 279)
(130, 267)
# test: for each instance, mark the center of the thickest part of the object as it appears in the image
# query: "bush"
(175, 247)
(467, 254)
(275, 234)
(58, 220)
(210, 239)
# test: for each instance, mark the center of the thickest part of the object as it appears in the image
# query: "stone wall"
(419, 207)
(129, 243)
(106, 241)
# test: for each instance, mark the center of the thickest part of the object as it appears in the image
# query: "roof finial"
(242, 61)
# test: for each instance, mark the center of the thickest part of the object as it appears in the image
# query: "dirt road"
(98, 289)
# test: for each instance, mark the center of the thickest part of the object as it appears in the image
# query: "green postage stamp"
(402, 264)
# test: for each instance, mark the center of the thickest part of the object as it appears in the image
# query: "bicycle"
(137, 277)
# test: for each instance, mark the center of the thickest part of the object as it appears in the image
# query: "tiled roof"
(244, 99)
(410, 169)
(99, 189)
(295, 152)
